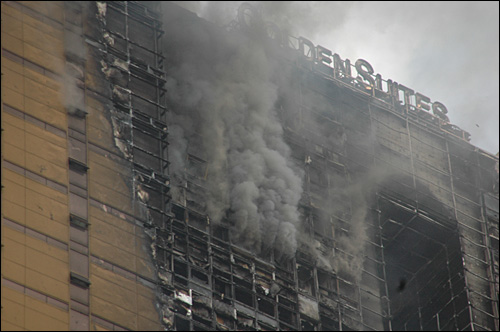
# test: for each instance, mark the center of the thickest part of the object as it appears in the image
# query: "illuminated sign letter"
(249, 17)
(365, 69)
(407, 93)
(311, 54)
(420, 100)
(343, 67)
(440, 111)
(323, 55)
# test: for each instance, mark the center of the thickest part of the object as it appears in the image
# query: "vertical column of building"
(74, 97)
(35, 230)
(128, 173)
(487, 167)
(470, 185)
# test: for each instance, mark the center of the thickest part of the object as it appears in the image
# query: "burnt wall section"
(395, 205)
(127, 161)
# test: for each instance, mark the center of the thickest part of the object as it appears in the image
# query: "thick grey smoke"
(224, 107)
(445, 50)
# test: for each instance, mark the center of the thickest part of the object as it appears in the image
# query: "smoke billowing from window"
(224, 98)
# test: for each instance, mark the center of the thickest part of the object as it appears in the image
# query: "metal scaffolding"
(429, 253)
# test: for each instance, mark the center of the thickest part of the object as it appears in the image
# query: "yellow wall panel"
(12, 312)
(47, 309)
(47, 249)
(97, 327)
(46, 150)
(37, 321)
(42, 79)
(13, 211)
(111, 253)
(51, 9)
(47, 265)
(13, 120)
(47, 191)
(110, 197)
(44, 225)
(14, 155)
(14, 251)
(11, 25)
(43, 94)
(12, 234)
(114, 293)
(42, 58)
(6, 326)
(12, 44)
(113, 277)
(110, 164)
(12, 295)
(13, 80)
(13, 135)
(101, 138)
(11, 11)
(144, 324)
(113, 235)
(50, 115)
(111, 219)
(13, 271)
(47, 207)
(146, 303)
(145, 268)
(43, 41)
(110, 178)
(47, 285)
(17, 67)
(48, 29)
(14, 192)
(12, 98)
(46, 169)
(14, 177)
(48, 136)
(111, 312)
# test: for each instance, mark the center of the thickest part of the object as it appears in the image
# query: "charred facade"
(274, 192)
(398, 215)
(397, 219)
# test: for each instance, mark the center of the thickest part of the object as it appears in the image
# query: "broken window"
(199, 277)
(326, 281)
(306, 280)
(180, 243)
(197, 221)
(245, 323)
(244, 296)
(242, 268)
(306, 325)
(222, 288)
(220, 232)
(182, 324)
(197, 167)
(265, 306)
(328, 324)
(287, 316)
(226, 321)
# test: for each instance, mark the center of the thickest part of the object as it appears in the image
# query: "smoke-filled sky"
(447, 51)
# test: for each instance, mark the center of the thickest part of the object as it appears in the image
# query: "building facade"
(161, 172)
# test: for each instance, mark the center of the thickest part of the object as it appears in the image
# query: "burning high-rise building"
(161, 172)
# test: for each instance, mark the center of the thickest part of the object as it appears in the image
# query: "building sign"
(331, 64)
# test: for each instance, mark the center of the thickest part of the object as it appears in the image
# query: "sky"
(447, 51)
